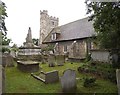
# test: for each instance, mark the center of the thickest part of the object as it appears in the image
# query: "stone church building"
(72, 38)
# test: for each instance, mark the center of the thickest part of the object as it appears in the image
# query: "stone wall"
(46, 24)
(100, 55)
(76, 50)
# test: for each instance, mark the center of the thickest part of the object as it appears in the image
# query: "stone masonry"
(47, 23)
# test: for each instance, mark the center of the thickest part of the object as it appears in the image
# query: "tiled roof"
(74, 30)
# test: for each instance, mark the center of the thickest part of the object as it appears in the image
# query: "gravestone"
(49, 77)
(52, 77)
(51, 60)
(60, 60)
(115, 58)
(28, 66)
(68, 81)
(13, 54)
(118, 80)
(7, 60)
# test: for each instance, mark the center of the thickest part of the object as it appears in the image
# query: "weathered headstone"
(49, 77)
(7, 60)
(52, 77)
(118, 80)
(114, 58)
(51, 60)
(28, 66)
(60, 60)
(13, 54)
(68, 81)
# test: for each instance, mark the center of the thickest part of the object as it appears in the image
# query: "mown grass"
(19, 82)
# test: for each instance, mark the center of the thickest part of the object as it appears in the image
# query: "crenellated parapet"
(44, 12)
(53, 18)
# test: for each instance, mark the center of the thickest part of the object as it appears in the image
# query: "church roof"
(74, 30)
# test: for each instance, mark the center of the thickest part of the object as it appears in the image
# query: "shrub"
(88, 57)
(4, 49)
(88, 82)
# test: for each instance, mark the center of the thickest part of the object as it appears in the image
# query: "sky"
(26, 13)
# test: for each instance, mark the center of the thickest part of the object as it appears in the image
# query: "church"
(72, 38)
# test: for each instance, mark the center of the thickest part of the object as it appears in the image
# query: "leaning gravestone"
(49, 77)
(68, 81)
(51, 60)
(60, 60)
(52, 77)
(118, 80)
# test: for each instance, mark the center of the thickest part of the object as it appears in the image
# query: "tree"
(3, 29)
(3, 14)
(106, 17)
(3, 38)
(35, 41)
(14, 48)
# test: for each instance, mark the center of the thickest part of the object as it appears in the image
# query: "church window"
(65, 48)
(53, 36)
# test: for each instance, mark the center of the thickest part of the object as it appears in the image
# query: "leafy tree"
(3, 29)
(3, 38)
(35, 41)
(15, 47)
(3, 14)
(4, 49)
(106, 17)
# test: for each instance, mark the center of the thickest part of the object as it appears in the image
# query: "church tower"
(47, 23)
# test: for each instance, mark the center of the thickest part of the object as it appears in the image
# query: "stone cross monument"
(29, 42)
(29, 36)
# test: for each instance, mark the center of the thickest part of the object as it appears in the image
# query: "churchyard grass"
(19, 82)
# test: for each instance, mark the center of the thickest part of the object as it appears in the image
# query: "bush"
(5, 50)
(88, 82)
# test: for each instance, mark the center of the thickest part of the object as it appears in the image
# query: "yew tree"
(106, 18)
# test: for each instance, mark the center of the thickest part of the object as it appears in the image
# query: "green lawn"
(19, 82)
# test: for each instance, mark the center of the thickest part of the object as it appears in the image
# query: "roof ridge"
(73, 21)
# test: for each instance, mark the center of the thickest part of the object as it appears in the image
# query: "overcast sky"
(26, 13)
